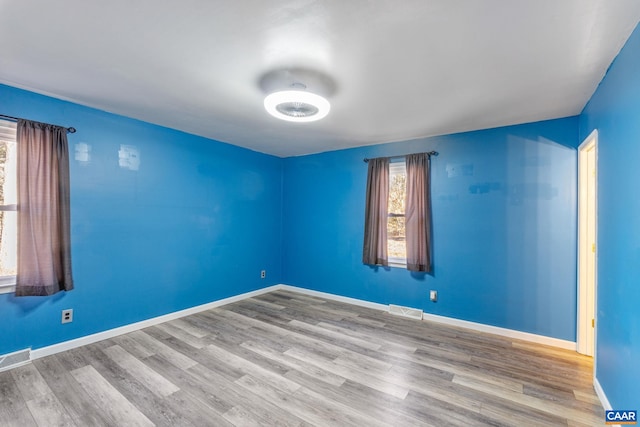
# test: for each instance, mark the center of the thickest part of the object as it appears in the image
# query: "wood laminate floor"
(288, 359)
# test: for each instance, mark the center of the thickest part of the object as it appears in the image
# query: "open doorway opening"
(587, 243)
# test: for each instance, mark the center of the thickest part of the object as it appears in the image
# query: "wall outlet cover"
(67, 316)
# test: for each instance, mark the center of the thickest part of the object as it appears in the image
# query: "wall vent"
(398, 310)
(15, 359)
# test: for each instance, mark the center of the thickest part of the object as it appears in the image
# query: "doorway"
(587, 244)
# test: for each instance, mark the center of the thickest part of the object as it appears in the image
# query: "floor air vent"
(398, 310)
(15, 359)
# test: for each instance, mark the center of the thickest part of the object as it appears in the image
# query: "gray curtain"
(374, 250)
(418, 213)
(44, 252)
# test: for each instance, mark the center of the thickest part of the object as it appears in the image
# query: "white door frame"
(586, 336)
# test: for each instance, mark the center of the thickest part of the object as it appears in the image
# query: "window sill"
(397, 265)
(7, 284)
(7, 289)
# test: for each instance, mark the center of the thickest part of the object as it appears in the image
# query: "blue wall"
(504, 219)
(614, 110)
(196, 222)
(199, 219)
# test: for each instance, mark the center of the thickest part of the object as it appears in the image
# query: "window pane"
(8, 163)
(8, 199)
(8, 243)
(396, 246)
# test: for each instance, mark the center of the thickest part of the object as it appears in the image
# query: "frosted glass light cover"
(297, 106)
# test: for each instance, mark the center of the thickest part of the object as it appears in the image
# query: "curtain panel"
(375, 222)
(418, 213)
(44, 248)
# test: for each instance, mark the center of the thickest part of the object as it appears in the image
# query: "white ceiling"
(402, 69)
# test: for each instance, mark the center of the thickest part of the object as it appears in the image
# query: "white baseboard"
(601, 395)
(480, 327)
(334, 297)
(90, 339)
(496, 330)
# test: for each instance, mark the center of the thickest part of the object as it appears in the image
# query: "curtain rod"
(4, 116)
(429, 153)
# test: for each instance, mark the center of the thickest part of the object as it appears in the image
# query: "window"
(396, 244)
(8, 206)
(397, 215)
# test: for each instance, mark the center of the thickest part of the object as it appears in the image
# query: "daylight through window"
(8, 203)
(396, 246)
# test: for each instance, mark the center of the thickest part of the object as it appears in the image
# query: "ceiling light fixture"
(297, 105)
(287, 98)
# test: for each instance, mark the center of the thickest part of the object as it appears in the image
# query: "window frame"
(396, 167)
(8, 283)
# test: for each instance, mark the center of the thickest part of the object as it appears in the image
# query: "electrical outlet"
(433, 296)
(67, 316)
(263, 274)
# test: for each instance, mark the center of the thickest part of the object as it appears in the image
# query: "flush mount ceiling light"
(289, 99)
(297, 105)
